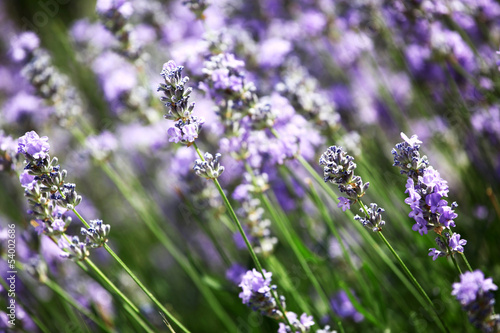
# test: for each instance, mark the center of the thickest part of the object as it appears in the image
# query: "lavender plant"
(225, 200)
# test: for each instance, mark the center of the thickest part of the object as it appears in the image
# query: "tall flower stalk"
(50, 197)
(339, 169)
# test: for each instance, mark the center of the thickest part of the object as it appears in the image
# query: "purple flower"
(344, 203)
(169, 66)
(175, 134)
(343, 307)
(27, 180)
(457, 244)
(306, 321)
(436, 253)
(254, 284)
(32, 145)
(23, 104)
(434, 201)
(190, 132)
(235, 273)
(471, 286)
(420, 226)
(122, 6)
(58, 225)
(447, 214)
(474, 293)
(24, 44)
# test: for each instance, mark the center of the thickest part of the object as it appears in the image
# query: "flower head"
(474, 293)
(33, 145)
(210, 167)
(374, 219)
(339, 169)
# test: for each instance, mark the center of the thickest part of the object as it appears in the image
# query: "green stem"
(245, 238)
(325, 186)
(117, 291)
(144, 289)
(413, 280)
(326, 216)
(131, 309)
(466, 261)
(136, 280)
(145, 211)
(456, 264)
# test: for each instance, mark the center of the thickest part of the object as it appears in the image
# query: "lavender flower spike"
(176, 96)
(96, 234)
(256, 293)
(474, 294)
(426, 190)
(339, 169)
(210, 168)
(374, 219)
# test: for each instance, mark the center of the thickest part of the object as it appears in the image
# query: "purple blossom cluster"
(176, 99)
(51, 198)
(115, 15)
(426, 190)
(343, 307)
(338, 168)
(474, 293)
(47, 82)
(257, 294)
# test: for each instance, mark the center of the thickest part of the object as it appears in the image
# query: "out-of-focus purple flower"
(95, 34)
(313, 22)
(102, 145)
(33, 145)
(235, 273)
(306, 321)
(302, 325)
(27, 180)
(58, 225)
(23, 44)
(273, 52)
(23, 104)
(343, 307)
(124, 7)
(474, 294)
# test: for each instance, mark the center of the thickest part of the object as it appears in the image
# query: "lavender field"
(249, 166)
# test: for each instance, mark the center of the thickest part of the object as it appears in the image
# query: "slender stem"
(146, 210)
(144, 289)
(324, 213)
(466, 261)
(131, 309)
(412, 278)
(115, 289)
(456, 264)
(320, 181)
(245, 238)
(136, 280)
